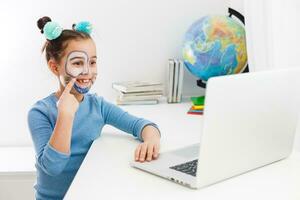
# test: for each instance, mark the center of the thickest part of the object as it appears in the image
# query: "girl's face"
(80, 62)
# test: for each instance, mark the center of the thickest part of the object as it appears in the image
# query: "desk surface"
(17, 160)
(105, 172)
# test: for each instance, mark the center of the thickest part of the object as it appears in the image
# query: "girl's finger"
(156, 151)
(143, 152)
(69, 86)
(137, 152)
(149, 152)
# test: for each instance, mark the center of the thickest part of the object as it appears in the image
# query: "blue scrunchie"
(84, 26)
(52, 30)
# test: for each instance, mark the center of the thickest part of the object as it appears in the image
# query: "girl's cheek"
(94, 77)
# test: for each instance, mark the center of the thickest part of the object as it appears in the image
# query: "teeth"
(83, 80)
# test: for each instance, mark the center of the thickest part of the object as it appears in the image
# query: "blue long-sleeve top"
(55, 169)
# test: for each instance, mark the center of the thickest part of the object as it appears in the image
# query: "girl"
(64, 125)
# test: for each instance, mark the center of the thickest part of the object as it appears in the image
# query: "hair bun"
(42, 22)
(83, 26)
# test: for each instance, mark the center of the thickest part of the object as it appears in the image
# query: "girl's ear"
(53, 66)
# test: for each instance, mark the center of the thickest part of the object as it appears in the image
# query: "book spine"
(175, 81)
(144, 89)
(134, 98)
(137, 87)
(146, 102)
(118, 87)
(133, 94)
(180, 81)
(171, 80)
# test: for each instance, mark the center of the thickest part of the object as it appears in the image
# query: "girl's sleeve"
(48, 158)
(115, 116)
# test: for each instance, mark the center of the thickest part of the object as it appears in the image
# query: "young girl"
(64, 125)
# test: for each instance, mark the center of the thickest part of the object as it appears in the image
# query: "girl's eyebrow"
(77, 57)
(94, 57)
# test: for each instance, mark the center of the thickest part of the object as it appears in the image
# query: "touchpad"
(191, 151)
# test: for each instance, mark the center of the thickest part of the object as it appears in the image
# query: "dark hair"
(55, 48)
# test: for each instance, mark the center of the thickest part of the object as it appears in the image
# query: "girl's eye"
(79, 63)
(93, 63)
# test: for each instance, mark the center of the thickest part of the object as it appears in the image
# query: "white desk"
(106, 174)
(17, 172)
(17, 160)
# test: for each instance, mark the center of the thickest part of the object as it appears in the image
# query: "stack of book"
(198, 106)
(138, 92)
(175, 80)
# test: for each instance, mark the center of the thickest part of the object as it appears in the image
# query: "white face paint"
(79, 64)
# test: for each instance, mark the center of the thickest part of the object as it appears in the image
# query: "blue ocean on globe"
(215, 46)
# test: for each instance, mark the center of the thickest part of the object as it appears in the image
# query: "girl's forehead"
(86, 46)
(77, 55)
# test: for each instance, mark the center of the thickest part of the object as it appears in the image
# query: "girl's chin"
(81, 89)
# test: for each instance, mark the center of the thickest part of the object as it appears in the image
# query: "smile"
(83, 82)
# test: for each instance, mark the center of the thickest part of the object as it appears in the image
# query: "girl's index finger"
(69, 86)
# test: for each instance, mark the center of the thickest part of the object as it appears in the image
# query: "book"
(180, 80)
(198, 100)
(170, 80)
(130, 94)
(175, 89)
(199, 107)
(139, 97)
(195, 112)
(175, 80)
(137, 86)
(142, 102)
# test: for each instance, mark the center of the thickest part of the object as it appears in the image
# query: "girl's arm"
(143, 129)
(52, 145)
(67, 107)
(50, 160)
(61, 136)
(150, 147)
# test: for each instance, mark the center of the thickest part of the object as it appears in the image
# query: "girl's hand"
(149, 149)
(67, 104)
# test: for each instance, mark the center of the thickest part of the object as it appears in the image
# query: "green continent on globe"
(215, 46)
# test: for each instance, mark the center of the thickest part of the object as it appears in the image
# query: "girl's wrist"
(66, 115)
(150, 132)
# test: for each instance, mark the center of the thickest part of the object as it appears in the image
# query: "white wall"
(286, 31)
(258, 34)
(272, 28)
(238, 5)
(134, 41)
(272, 33)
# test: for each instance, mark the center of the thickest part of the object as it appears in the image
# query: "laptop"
(249, 121)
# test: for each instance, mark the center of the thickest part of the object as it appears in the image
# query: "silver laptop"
(249, 122)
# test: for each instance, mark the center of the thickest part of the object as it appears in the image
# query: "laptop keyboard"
(188, 167)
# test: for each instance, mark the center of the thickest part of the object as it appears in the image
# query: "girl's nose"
(85, 70)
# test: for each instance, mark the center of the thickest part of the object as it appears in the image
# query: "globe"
(215, 46)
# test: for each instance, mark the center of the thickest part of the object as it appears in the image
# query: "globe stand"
(201, 83)
(238, 15)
